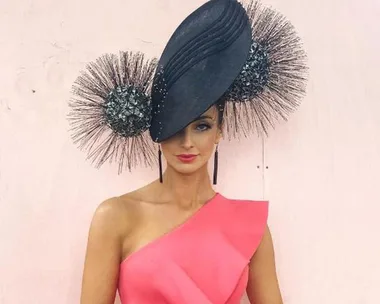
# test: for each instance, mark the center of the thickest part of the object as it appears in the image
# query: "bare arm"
(263, 287)
(101, 269)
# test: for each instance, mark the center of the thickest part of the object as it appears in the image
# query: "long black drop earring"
(160, 163)
(215, 178)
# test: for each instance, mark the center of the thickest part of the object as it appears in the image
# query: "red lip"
(186, 158)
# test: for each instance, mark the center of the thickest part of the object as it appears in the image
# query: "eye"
(203, 127)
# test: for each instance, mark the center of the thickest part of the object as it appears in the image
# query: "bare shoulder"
(110, 223)
(116, 215)
(114, 222)
(120, 215)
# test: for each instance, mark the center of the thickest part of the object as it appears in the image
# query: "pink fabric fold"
(203, 261)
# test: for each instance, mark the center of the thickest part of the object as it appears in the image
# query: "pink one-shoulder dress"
(203, 261)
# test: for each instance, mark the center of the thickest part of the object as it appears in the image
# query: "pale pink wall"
(323, 166)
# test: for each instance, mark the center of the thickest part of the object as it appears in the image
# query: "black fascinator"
(246, 56)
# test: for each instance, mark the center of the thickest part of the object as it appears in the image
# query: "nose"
(186, 140)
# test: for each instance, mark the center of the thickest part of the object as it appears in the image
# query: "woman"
(176, 240)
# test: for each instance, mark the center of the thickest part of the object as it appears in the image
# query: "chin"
(186, 168)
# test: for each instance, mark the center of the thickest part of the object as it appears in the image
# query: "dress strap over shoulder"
(243, 224)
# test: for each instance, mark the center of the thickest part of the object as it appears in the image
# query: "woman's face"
(191, 148)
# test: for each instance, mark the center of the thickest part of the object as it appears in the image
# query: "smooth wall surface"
(320, 170)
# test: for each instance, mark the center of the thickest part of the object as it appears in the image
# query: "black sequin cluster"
(128, 111)
(253, 77)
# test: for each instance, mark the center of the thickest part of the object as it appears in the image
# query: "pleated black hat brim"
(200, 62)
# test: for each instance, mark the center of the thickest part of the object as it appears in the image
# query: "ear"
(219, 136)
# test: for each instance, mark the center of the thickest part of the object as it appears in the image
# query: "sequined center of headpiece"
(128, 111)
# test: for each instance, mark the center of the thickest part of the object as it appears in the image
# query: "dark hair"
(220, 106)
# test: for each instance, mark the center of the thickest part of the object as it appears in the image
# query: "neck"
(188, 191)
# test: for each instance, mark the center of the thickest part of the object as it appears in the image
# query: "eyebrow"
(204, 117)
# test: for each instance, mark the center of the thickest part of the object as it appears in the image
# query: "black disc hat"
(200, 62)
(246, 56)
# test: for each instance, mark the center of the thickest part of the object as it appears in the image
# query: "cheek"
(168, 148)
(206, 143)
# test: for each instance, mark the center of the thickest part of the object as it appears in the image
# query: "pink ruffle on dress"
(203, 261)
